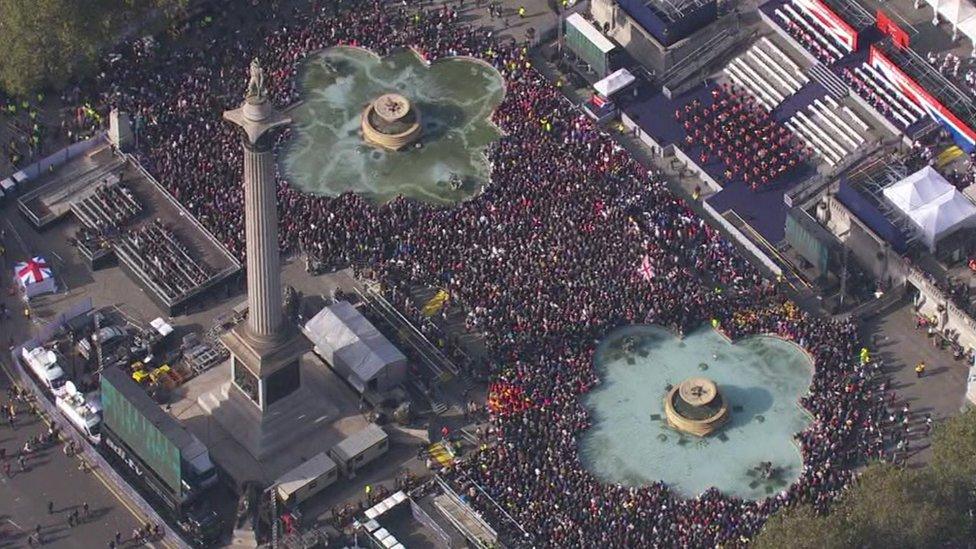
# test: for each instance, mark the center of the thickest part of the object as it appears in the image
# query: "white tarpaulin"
(354, 347)
(613, 83)
(934, 206)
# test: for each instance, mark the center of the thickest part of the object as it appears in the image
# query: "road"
(49, 475)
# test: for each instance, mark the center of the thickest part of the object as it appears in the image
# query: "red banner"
(963, 134)
(890, 28)
(831, 22)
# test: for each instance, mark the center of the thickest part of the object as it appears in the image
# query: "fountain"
(387, 126)
(732, 430)
(391, 122)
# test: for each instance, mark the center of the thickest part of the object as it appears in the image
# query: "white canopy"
(35, 276)
(615, 82)
(162, 327)
(961, 14)
(348, 341)
(935, 207)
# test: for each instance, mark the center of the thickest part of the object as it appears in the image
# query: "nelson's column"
(265, 404)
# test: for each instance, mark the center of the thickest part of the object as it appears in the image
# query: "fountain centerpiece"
(696, 407)
(391, 122)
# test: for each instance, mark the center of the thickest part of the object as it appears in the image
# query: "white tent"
(35, 277)
(355, 348)
(934, 206)
(960, 14)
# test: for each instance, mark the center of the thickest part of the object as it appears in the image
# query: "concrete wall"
(638, 43)
(644, 137)
(642, 46)
(742, 239)
(870, 250)
(885, 264)
(933, 303)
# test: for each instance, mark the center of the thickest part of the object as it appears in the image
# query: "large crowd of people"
(546, 260)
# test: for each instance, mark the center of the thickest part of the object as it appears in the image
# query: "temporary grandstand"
(124, 214)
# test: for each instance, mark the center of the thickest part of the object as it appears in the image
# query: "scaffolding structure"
(675, 10)
(853, 12)
(931, 80)
(872, 181)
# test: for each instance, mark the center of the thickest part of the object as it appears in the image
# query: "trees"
(800, 528)
(45, 42)
(895, 507)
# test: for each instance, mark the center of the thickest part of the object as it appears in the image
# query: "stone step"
(836, 87)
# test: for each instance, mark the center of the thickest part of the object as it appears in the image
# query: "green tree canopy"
(46, 42)
(891, 506)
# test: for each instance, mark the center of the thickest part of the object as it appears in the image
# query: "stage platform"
(763, 209)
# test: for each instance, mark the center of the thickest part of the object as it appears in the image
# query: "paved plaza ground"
(892, 337)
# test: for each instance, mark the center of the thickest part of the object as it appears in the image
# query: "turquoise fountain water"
(455, 98)
(761, 377)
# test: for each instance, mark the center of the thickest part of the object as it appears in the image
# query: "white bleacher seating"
(824, 148)
(786, 59)
(811, 140)
(782, 75)
(827, 118)
(904, 115)
(887, 84)
(857, 119)
(851, 135)
(760, 80)
(831, 144)
(824, 38)
(821, 29)
(745, 81)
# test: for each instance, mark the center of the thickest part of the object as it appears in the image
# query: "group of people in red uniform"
(742, 135)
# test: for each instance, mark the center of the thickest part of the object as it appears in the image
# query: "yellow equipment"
(159, 372)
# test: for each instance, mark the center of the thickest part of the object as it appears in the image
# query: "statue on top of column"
(255, 86)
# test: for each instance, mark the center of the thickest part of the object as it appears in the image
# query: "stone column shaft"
(261, 227)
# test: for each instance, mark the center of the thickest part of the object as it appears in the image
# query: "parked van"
(85, 413)
(43, 363)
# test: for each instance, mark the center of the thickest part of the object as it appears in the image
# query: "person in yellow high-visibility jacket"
(521, 11)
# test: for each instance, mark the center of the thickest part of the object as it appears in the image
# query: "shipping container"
(173, 461)
(360, 448)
